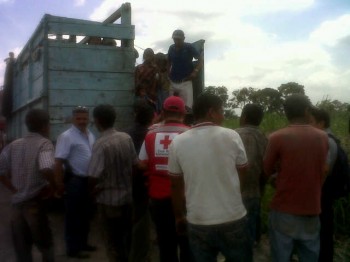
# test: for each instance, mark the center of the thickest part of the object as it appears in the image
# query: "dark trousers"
(327, 229)
(168, 240)
(141, 233)
(30, 225)
(116, 224)
(78, 213)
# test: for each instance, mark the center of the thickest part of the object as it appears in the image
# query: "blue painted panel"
(90, 58)
(109, 30)
(90, 97)
(91, 80)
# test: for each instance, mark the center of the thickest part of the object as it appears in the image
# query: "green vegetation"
(339, 125)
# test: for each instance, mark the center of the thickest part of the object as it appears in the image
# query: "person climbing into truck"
(146, 79)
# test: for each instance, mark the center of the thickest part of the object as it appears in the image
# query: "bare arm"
(6, 181)
(142, 165)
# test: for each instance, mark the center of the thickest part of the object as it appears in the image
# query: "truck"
(60, 67)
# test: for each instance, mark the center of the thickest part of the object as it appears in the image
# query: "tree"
(290, 88)
(270, 99)
(333, 105)
(242, 96)
(220, 91)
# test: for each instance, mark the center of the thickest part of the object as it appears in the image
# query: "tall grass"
(339, 126)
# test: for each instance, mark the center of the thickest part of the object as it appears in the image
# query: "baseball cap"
(178, 34)
(174, 104)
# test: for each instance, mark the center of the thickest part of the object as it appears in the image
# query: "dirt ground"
(261, 252)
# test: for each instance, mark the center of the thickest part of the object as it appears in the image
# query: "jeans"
(116, 224)
(231, 239)
(168, 239)
(78, 213)
(289, 231)
(30, 225)
(253, 214)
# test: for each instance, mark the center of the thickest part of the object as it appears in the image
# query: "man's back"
(24, 157)
(208, 155)
(155, 151)
(300, 151)
(113, 158)
(255, 143)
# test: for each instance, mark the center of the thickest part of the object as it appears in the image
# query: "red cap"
(174, 104)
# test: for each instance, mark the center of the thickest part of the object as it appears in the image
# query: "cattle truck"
(59, 69)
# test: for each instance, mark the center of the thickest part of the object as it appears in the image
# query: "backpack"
(339, 177)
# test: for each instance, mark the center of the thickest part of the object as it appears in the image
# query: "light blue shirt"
(75, 147)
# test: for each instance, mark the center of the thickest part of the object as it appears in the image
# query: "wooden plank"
(91, 58)
(17, 127)
(72, 80)
(38, 69)
(115, 31)
(60, 19)
(38, 87)
(90, 97)
(123, 12)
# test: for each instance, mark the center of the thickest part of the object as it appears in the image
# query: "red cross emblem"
(166, 142)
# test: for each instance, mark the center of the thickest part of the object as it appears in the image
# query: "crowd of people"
(200, 184)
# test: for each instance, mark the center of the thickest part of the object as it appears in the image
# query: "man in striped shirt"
(26, 168)
(110, 170)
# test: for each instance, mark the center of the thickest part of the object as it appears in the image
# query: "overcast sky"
(257, 43)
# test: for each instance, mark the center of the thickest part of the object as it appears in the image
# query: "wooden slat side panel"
(91, 58)
(108, 30)
(70, 80)
(90, 98)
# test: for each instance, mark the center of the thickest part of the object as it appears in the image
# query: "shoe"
(89, 248)
(78, 255)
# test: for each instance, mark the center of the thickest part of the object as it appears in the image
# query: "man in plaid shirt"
(26, 168)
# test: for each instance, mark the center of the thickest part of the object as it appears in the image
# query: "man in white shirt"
(73, 153)
(205, 164)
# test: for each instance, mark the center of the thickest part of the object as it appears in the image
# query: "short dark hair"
(80, 109)
(36, 120)
(105, 114)
(172, 114)
(204, 103)
(253, 114)
(321, 115)
(144, 113)
(295, 106)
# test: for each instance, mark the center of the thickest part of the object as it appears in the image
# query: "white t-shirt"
(208, 156)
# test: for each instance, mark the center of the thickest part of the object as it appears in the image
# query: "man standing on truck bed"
(26, 169)
(73, 153)
(180, 66)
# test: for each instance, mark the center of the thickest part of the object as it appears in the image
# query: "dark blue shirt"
(181, 61)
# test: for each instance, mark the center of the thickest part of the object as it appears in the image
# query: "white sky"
(257, 43)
